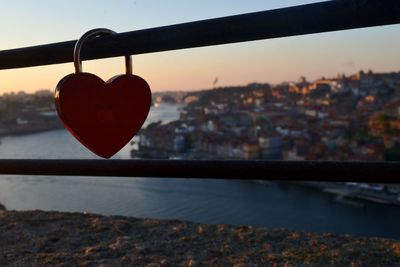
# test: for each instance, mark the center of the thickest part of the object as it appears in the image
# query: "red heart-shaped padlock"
(104, 117)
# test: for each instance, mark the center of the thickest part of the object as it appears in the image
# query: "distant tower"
(302, 80)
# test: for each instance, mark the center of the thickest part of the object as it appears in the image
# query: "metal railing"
(338, 171)
(299, 20)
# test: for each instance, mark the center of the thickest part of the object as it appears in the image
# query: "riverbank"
(26, 130)
(357, 193)
(38, 238)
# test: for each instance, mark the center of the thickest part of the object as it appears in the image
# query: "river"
(209, 201)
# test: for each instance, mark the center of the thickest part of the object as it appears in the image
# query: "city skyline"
(273, 61)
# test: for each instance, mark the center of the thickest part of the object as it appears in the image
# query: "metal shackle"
(89, 36)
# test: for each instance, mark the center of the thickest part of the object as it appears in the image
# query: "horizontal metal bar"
(333, 171)
(306, 19)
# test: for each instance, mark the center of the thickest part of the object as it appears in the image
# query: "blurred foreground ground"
(37, 238)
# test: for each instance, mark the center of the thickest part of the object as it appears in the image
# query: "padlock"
(103, 116)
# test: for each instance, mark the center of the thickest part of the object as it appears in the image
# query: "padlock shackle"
(89, 36)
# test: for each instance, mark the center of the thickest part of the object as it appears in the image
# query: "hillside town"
(343, 118)
(24, 113)
(353, 117)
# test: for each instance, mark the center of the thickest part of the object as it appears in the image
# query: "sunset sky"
(46, 21)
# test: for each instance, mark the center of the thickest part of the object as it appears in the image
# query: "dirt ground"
(38, 238)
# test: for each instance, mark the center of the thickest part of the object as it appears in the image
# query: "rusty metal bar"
(307, 19)
(327, 171)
